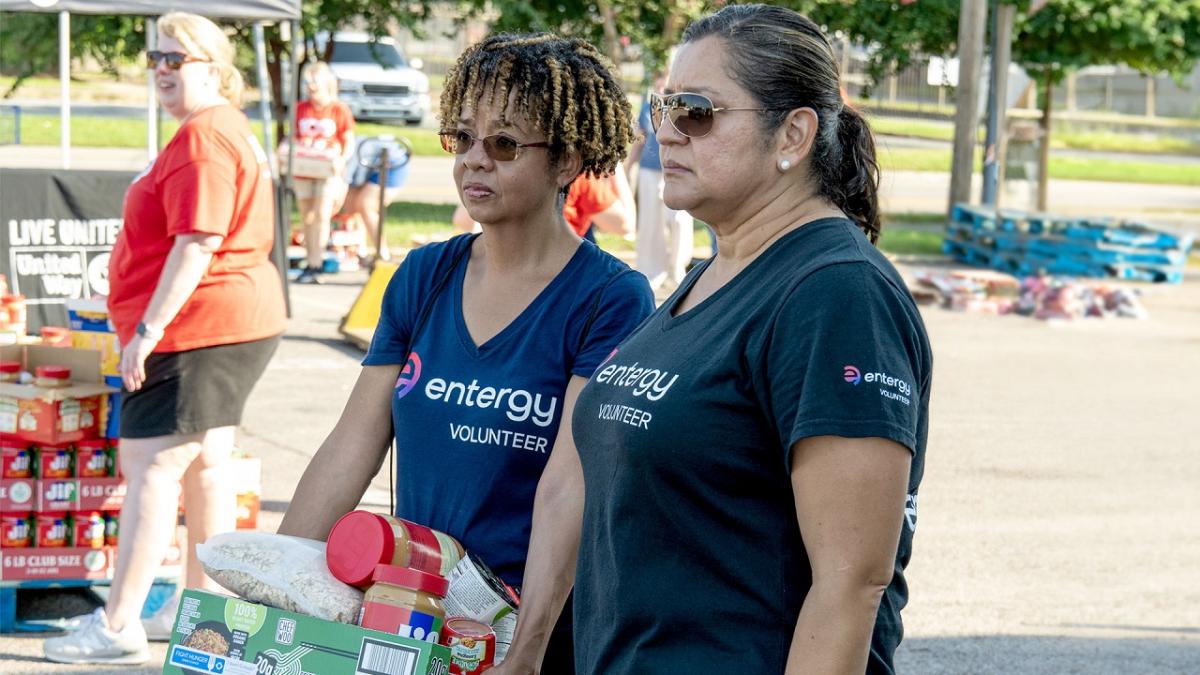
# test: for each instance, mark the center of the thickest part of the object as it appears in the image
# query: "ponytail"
(232, 84)
(851, 182)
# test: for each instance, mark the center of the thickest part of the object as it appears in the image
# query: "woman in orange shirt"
(198, 309)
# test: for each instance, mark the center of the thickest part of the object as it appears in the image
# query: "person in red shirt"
(603, 202)
(324, 126)
(198, 309)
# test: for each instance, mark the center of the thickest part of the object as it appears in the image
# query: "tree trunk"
(612, 41)
(1043, 196)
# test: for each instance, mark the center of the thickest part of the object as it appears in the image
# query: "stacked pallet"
(1023, 244)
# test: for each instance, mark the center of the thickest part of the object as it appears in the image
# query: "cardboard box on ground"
(223, 635)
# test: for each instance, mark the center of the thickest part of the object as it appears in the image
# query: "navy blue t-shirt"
(691, 558)
(475, 424)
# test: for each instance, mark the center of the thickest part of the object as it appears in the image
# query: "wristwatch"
(148, 332)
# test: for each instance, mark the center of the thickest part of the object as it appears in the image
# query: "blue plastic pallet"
(162, 590)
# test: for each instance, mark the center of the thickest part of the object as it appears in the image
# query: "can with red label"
(111, 524)
(18, 462)
(472, 646)
(92, 459)
(89, 529)
(52, 529)
(54, 461)
(15, 531)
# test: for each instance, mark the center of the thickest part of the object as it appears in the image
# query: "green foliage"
(1149, 35)
(29, 42)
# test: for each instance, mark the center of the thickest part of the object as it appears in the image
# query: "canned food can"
(92, 459)
(476, 593)
(52, 530)
(111, 526)
(89, 529)
(54, 461)
(472, 646)
(15, 531)
(18, 462)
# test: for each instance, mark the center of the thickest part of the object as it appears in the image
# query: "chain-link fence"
(10, 125)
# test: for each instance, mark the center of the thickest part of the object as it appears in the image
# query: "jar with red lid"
(55, 461)
(472, 646)
(15, 531)
(17, 461)
(52, 377)
(360, 540)
(53, 530)
(55, 336)
(88, 527)
(405, 602)
(93, 459)
(10, 371)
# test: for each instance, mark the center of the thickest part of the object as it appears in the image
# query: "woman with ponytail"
(751, 454)
(198, 309)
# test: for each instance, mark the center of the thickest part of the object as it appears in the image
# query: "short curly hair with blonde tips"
(566, 87)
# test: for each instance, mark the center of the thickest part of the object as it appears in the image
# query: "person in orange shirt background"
(198, 309)
(324, 124)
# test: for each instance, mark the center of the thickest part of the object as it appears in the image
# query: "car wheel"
(413, 123)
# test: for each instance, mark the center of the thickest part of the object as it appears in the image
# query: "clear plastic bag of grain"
(280, 571)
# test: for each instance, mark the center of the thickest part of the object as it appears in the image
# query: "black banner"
(56, 231)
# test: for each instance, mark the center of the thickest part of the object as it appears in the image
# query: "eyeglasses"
(499, 147)
(174, 60)
(690, 114)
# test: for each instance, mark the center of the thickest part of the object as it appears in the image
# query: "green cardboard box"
(220, 635)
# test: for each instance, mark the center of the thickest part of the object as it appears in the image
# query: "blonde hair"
(204, 38)
(319, 72)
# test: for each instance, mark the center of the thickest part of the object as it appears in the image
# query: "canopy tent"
(285, 11)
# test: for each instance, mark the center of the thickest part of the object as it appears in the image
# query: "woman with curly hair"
(485, 340)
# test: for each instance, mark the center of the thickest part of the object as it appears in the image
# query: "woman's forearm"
(550, 568)
(833, 633)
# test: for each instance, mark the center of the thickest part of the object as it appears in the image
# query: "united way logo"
(409, 376)
(851, 374)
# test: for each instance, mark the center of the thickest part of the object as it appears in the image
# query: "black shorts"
(196, 390)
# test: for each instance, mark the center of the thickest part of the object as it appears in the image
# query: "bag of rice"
(280, 571)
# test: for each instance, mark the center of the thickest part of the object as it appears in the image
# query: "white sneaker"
(159, 625)
(93, 642)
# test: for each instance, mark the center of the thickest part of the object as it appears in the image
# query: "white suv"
(376, 81)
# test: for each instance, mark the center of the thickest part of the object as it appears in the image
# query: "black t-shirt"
(691, 558)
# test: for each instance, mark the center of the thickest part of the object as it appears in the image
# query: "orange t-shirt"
(587, 197)
(325, 128)
(212, 178)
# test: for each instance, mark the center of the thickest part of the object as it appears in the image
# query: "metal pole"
(264, 89)
(290, 97)
(1002, 28)
(384, 171)
(972, 20)
(64, 84)
(151, 95)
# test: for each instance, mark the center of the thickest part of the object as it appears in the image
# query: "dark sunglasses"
(690, 114)
(174, 60)
(497, 146)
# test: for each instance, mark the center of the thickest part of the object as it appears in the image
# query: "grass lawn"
(1072, 168)
(903, 234)
(1105, 141)
(131, 133)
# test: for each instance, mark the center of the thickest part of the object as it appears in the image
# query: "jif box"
(227, 636)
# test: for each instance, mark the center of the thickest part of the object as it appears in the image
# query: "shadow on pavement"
(1050, 655)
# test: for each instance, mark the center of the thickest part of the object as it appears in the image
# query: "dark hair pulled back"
(785, 62)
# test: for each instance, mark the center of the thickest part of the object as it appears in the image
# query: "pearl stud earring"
(784, 165)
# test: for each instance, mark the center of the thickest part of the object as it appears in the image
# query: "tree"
(29, 42)
(1151, 36)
